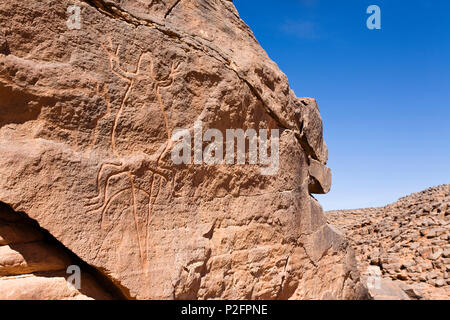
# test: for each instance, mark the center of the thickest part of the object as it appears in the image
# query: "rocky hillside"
(407, 242)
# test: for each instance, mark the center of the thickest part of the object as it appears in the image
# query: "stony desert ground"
(406, 244)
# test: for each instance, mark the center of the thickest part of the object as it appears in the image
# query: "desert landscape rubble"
(403, 249)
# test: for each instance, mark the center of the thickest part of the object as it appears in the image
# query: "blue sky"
(384, 95)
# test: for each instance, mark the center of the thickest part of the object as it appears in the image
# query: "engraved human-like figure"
(140, 138)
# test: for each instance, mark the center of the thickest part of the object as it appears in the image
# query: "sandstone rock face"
(407, 243)
(32, 266)
(86, 120)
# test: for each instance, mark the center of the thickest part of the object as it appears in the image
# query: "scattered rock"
(436, 255)
(408, 238)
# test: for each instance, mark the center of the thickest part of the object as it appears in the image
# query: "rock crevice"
(33, 265)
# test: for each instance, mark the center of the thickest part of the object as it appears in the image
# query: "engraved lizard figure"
(146, 154)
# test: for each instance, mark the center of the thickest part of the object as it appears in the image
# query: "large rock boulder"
(87, 123)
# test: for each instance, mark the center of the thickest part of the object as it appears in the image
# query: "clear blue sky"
(384, 95)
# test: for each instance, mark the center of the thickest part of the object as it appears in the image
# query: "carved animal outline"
(131, 163)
